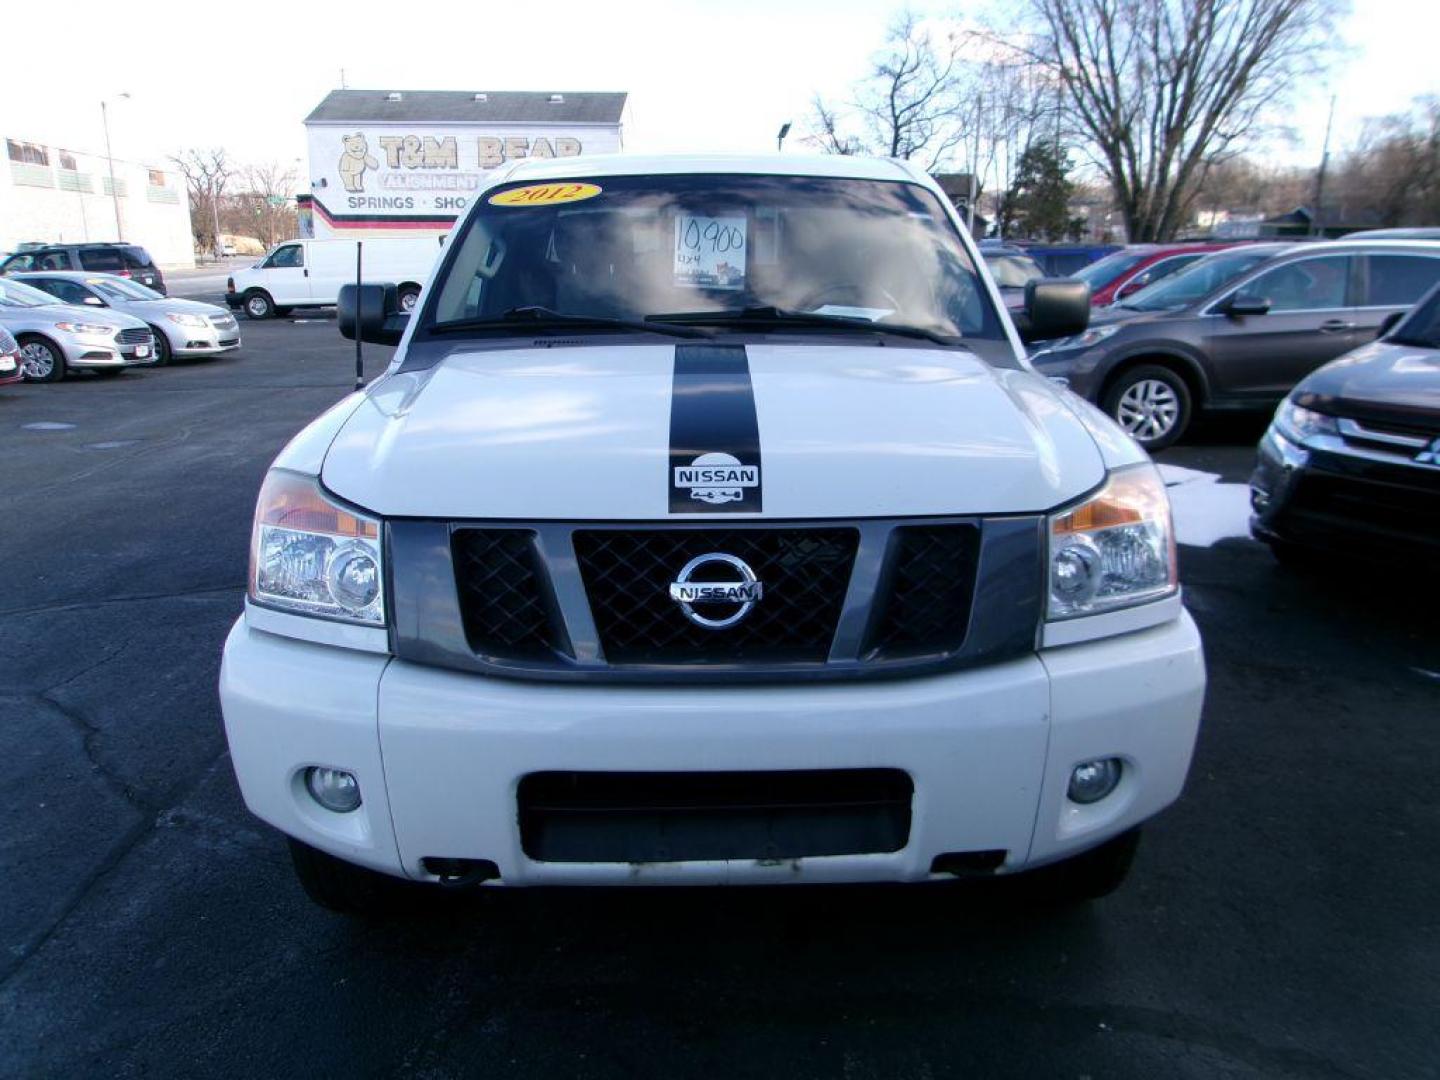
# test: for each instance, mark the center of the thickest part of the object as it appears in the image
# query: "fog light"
(1091, 781)
(334, 789)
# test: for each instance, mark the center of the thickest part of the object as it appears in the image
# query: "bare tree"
(905, 107)
(1393, 174)
(207, 172)
(1162, 89)
(264, 208)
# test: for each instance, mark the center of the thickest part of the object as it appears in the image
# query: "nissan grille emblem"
(732, 593)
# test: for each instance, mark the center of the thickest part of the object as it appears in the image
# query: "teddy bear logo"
(354, 161)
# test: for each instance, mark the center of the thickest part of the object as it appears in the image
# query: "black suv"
(125, 260)
(1237, 329)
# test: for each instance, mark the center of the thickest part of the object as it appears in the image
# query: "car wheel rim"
(407, 301)
(1149, 409)
(36, 361)
(255, 306)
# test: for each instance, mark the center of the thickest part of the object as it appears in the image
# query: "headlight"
(311, 555)
(87, 328)
(1297, 423)
(197, 321)
(1093, 336)
(1115, 549)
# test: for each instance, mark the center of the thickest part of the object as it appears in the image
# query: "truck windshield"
(696, 249)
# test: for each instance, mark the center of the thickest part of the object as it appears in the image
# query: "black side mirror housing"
(1390, 322)
(1241, 304)
(371, 313)
(1054, 308)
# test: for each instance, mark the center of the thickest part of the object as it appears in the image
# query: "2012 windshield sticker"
(717, 478)
(545, 194)
(709, 251)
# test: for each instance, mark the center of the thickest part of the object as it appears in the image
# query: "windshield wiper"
(768, 313)
(541, 317)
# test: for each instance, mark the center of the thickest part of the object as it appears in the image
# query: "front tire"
(258, 305)
(1152, 403)
(349, 889)
(41, 360)
(162, 347)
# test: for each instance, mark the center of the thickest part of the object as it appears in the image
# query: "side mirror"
(1242, 304)
(371, 313)
(1390, 322)
(1054, 308)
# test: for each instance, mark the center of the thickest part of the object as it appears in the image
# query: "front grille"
(224, 322)
(926, 608)
(627, 575)
(1372, 505)
(139, 336)
(227, 342)
(503, 599)
(638, 817)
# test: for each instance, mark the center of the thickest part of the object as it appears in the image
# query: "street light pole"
(110, 162)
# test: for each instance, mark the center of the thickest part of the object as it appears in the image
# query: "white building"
(55, 195)
(382, 162)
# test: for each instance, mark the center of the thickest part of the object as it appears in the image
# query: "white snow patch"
(1205, 510)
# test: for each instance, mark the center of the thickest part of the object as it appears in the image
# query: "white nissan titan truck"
(709, 526)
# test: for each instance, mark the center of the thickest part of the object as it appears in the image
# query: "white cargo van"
(309, 273)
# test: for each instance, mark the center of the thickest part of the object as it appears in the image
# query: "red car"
(1127, 271)
(9, 358)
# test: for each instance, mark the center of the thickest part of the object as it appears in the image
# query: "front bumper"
(209, 340)
(439, 755)
(101, 352)
(1332, 497)
(10, 369)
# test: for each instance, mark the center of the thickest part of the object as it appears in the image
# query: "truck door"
(285, 275)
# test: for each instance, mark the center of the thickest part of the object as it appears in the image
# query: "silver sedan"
(183, 328)
(56, 337)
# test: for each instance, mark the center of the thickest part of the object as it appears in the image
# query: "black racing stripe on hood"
(714, 433)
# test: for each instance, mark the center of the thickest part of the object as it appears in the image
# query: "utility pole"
(110, 161)
(1320, 175)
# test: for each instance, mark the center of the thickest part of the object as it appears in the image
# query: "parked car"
(182, 328)
(123, 260)
(1125, 272)
(1237, 330)
(309, 273)
(1012, 268)
(1401, 233)
(1066, 260)
(55, 338)
(1351, 463)
(10, 370)
(709, 527)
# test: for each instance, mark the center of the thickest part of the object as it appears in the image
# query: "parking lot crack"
(134, 598)
(152, 813)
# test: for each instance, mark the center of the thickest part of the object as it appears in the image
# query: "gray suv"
(123, 260)
(1237, 329)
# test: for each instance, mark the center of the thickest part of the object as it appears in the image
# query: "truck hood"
(1383, 381)
(584, 433)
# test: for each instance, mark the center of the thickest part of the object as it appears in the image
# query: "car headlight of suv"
(89, 329)
(311, 555)
(1298, 423)
(1089, 338)
(198, 322)
(1115, 549)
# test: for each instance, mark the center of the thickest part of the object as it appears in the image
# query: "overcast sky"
(718, 76)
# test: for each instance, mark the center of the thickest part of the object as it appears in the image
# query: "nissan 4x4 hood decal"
(714, 435)
(588, 433)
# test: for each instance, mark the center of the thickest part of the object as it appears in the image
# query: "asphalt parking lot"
(1281, 919)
